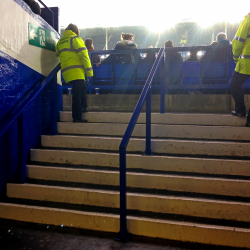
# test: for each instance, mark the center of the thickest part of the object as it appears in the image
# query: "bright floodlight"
(205, 23)
(157, 28)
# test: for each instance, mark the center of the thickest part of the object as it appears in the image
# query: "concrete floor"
(28, 236)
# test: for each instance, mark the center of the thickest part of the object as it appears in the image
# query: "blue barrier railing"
(212, 69)
(203, 75)
(118, 73)
(18, 115)
(145, 95)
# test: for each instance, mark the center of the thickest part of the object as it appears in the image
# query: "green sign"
(42, 38)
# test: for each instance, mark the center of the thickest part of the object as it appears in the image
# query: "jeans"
(79, 98)
(237, 91)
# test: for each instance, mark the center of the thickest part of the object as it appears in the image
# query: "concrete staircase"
(195, 188)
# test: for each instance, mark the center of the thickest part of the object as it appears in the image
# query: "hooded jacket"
(121, 58)
(241, 47)
(74, 57)
(126, 44)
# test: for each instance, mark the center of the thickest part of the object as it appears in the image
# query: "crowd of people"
(75, 62)
(127, 42)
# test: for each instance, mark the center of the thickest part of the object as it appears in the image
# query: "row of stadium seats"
(108, 76)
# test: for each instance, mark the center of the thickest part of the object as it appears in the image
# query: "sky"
(156, 15)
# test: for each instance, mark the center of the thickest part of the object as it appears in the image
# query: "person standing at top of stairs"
(241, 47)
(75, 63)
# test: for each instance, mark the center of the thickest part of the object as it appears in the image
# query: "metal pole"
(163, 88)
(123, 234)
(21, 171)
(148, 123)
(53, 106)
(106, 38)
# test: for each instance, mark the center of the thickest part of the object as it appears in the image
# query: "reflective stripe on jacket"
(241, 47)
(74, 57)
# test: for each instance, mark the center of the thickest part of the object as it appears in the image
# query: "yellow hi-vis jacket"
(241, 47)
(74, 57)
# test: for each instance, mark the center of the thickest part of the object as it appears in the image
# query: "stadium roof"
(157, 15)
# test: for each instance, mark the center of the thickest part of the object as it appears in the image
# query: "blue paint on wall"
(17, 82)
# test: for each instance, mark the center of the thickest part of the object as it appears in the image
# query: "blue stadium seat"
(175, 73)
(142, 73)
(191, 73)
(231, 67)
(124, 74)
(103, 71)
(103, 74)
(214, 72)
(214, 69)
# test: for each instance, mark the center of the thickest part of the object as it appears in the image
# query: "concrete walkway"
(28, 236)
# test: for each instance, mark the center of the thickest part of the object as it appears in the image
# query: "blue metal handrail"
(48, 10)
(145, 95)
(18, 115)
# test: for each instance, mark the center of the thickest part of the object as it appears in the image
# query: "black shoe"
(247, 124)
(84, 110)
(79, 120)
(243, 114)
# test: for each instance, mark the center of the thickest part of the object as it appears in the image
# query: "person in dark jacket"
(221, 38)
(219, 54)
(173, 63)
(127, 42)
(34, 6)
(90, 47)
(175, 56)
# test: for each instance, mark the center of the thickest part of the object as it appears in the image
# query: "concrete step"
(157, 118)
(158, 131)
(203, 208)
(165, 229)
(156, 163)
(189, 184)
(159, 146)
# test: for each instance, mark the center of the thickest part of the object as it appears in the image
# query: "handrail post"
(53, 106)
(21, 171)
(163, 88)
(148, 123)
(123, 234)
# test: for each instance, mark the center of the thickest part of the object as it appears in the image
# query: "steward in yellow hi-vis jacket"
(74, 64)
(241, 54)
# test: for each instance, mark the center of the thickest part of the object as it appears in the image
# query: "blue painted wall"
(18, 81)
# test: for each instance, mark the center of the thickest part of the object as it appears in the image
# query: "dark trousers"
(237, 91)
(79, 98)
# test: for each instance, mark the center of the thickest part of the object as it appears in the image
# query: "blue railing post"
(148, 123)
(53, 106)
(163, 87)
(21, 171)
(123, 234)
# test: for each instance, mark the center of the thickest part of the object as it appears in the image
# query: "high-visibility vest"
(241, 47)
(74, 57)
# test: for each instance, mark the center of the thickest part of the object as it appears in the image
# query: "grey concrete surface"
(189, 103)
(28, 236)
